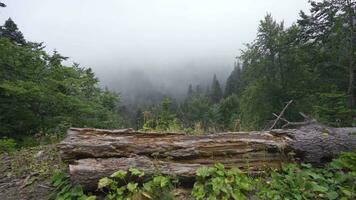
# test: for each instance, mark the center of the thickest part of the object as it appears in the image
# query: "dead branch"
(280, 115)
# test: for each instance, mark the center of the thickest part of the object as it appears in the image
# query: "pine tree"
(216, 92)
(198, 89)
(10, 31)
(233, 82)
(331, 28)
(190, 91)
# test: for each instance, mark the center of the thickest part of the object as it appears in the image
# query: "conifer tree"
(233, 82)
(216, 92)
(190, 91)
(10, 31)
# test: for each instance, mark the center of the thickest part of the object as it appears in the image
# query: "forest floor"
(25, 174)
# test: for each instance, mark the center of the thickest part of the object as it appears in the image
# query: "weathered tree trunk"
(94, 153)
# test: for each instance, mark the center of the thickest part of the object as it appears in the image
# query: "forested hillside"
(65, 135)
(311, 62)
(40, 95)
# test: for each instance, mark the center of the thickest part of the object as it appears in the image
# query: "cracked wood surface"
(96, 153)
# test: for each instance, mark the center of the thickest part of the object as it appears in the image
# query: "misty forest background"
(312, 62)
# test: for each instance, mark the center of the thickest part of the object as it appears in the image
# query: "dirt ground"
(25, 174)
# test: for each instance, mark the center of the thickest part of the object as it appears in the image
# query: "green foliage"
(116, 187)
(332, 109)
(39, 94)
(233, 82)
(10, 31)
(195, 110)
(215, 92)
(64, 190)
(229, 109)
(257, 103)
(164, 121)
(7, 145)
(337, 181)
(218, 183)
(346, 161)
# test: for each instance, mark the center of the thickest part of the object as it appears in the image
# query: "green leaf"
(332, 195)
(104, 182)
(319, 188)
(148, 186)
(202, 172)
(119, 174)
(220, 166)
(91, 198)
(346, 192)
(120, 191)
(136, 172)
(132, 186)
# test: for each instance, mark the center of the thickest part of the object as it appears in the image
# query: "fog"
(141, 46)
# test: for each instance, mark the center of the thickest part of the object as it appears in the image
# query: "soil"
(25, 174)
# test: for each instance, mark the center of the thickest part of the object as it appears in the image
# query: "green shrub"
(337, 181)
(7, 145)
(116, 186)
(218, 183)
(65, 190)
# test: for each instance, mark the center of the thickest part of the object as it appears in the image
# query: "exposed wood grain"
(95, 153)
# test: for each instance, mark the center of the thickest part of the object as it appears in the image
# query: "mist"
(141, 47)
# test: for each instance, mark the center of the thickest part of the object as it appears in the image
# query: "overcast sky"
(163, 38)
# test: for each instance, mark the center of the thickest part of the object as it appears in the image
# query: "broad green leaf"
(136, 172)
(132, 186)
(202, 172)
(104, 182)
(332, 195)
(119, 174)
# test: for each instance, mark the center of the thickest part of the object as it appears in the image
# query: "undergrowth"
(7, 145)
(157, 187)
(64, 190)
(219, 183)
(337, 180)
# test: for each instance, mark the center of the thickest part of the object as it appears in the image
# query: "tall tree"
(233, 82)
(39, 94)
(190, 91)
(10, 31)
(331, 28)
(215, 92)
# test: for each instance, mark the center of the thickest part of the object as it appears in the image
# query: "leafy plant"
(218, 183)
(117, 187)
(7, 145)
(65, 190)
(337, 181)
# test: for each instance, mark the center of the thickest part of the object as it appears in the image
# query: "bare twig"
(280, 115)
(45, 186)
(283, 119)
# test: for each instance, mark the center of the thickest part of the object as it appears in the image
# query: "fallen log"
(95, 153)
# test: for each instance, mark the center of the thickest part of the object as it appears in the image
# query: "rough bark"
(94, 153)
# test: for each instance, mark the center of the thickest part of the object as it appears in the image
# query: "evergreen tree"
(39, 94)
(331, 28)
(190, 91)
(9, 30)
(233, 82)
(215, 92)
(198, 89)
(229, 110)
(332, 110)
